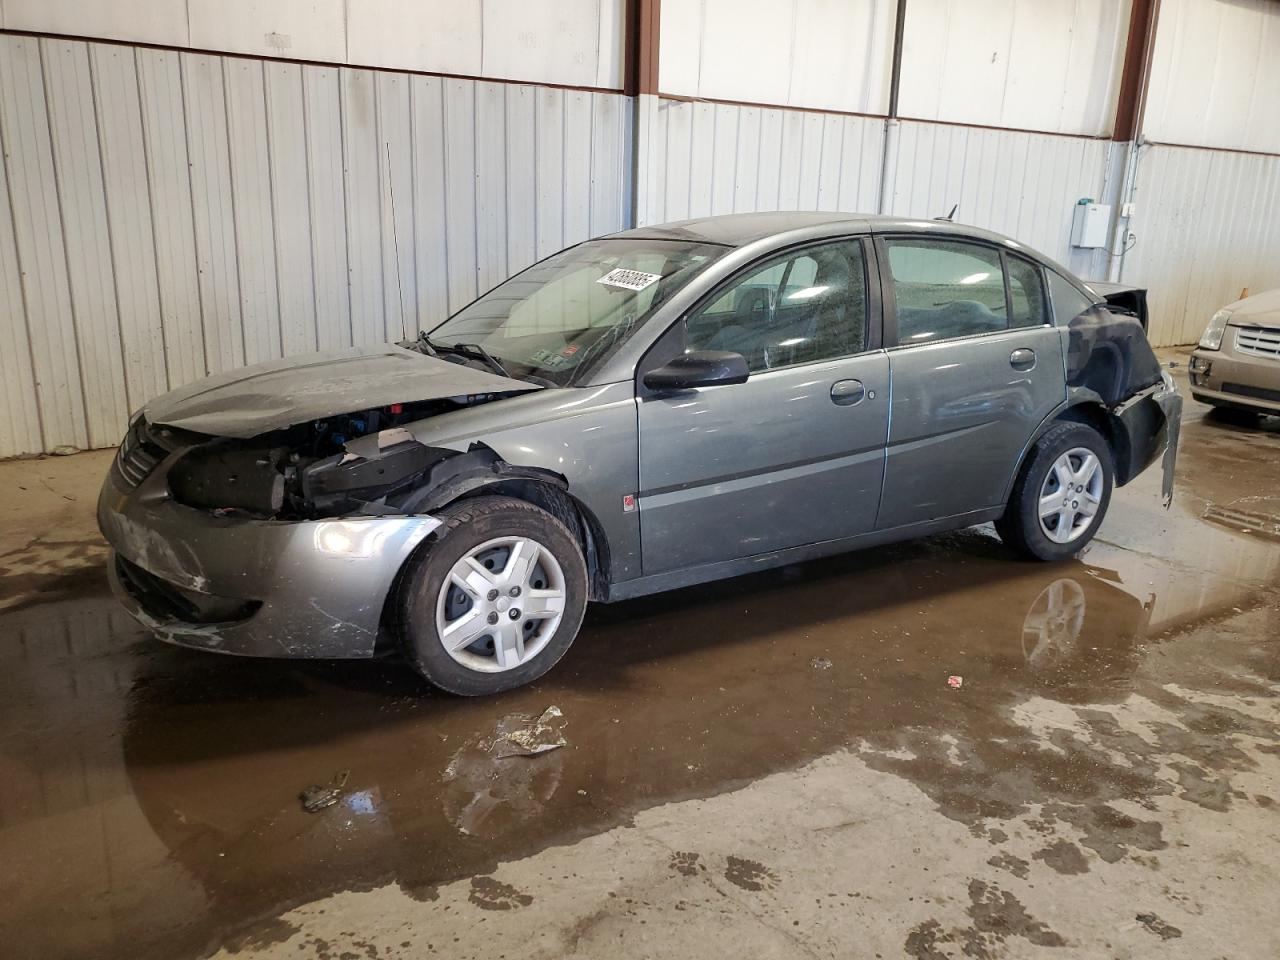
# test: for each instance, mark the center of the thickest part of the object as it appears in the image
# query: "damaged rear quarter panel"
(585, 434)
(1109, 354)
(1111, 368)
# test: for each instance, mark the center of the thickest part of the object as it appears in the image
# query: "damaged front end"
(365, 464)
(286, 543)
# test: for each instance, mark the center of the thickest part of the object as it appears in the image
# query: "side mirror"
(698, 368)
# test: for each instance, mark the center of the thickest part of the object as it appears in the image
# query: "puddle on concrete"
(150, 794)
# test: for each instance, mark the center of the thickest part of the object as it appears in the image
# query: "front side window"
(557, 320)
(1026, 293)
(946, 288)
(801, 308)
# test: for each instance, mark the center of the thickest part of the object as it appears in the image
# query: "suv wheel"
(1061, 494)
(495, 600)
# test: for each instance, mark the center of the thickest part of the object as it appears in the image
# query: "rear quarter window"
(1068, 301)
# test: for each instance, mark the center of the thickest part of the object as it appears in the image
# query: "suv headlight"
(1212, 339)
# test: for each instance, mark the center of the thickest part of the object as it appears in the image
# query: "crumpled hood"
(1259, 310)
(280, 393)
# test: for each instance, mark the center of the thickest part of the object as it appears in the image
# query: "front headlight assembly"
(1212, 339)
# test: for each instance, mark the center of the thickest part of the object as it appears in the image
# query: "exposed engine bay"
(304, 472)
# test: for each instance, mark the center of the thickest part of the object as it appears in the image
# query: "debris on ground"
(319, 796)
(820, 663)
(1163, 930)
(955, 682)
(533, 735)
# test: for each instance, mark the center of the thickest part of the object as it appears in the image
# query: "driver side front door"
(793, 456)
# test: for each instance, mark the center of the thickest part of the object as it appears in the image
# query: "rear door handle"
(1022, 359)
(847, 392)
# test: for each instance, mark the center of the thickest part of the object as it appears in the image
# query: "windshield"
(560, 318)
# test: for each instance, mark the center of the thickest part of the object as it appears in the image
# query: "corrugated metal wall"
(164, 215)
(1208, 224)
(1045, 65)
(1215, 75)
(573, 42)
(167, 213)
(712, 158)
(1021, 184)
(706, 159)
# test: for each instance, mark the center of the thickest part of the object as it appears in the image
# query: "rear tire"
(1061, 494)
(495, 600)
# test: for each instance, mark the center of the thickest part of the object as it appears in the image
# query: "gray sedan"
(657, 408)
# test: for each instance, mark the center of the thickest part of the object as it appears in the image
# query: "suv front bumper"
(1224, 378)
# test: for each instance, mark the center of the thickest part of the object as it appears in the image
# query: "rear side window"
(1068, 301)
(946, 288)
(1026, 293)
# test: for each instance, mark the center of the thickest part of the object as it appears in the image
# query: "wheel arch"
(481, 471)
(1085, 406)
(545, 490)
(550, 492)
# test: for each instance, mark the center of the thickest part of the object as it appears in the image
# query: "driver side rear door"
(794, 455)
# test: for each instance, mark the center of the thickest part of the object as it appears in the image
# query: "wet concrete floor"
(774, 766)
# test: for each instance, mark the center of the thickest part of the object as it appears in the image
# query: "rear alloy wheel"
(495, 600)
(1070, 495)
(1061, 494)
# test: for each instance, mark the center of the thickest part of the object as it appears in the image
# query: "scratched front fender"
(254, 587)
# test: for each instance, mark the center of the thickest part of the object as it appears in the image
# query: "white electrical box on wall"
(1089, 223)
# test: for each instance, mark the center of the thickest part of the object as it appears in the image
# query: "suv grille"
(138, 454)
(1259, 341)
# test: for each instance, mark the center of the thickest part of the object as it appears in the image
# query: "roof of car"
(739, 229)
(782, 228)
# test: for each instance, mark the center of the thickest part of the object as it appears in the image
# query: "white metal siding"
(578, 42)
(1049, 65)
(37, 242)
(165, 215)
(710, 159)
(1020, 184)
(1215, 75)
(717, 158)
(1207, 226)
(1046, 65)
(825, 54)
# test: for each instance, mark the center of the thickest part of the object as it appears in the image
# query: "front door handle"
(847, 392)
(1022, 359)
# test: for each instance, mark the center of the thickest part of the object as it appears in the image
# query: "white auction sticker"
(629, 279)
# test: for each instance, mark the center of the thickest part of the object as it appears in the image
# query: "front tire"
(1061, 494)
(495, 600)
